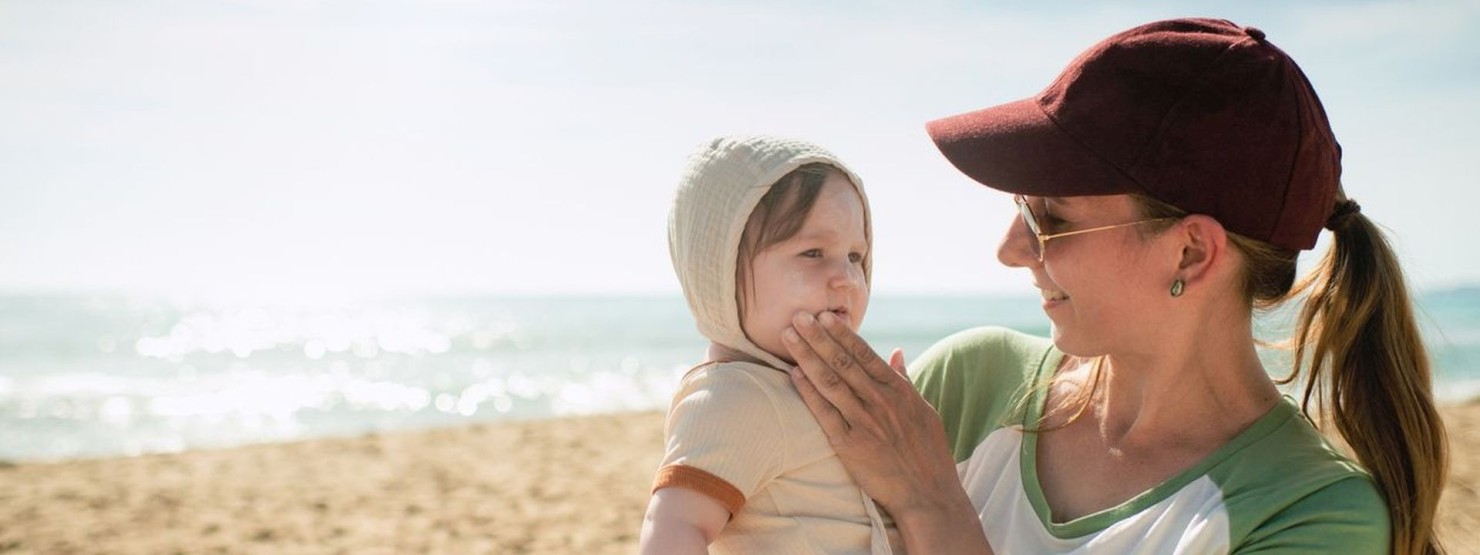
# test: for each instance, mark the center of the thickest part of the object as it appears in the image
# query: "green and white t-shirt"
(1277, 487)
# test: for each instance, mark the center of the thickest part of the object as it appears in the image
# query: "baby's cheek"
(799, 276)
(860, 308)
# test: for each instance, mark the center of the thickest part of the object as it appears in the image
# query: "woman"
(1166, 181)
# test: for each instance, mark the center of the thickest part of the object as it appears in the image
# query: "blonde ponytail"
(1369, 374)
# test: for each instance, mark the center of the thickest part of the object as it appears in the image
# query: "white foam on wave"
(1463, 391)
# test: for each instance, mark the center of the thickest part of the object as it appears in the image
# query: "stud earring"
(1177, 287)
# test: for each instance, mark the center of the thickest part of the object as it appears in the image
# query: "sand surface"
(560, 487)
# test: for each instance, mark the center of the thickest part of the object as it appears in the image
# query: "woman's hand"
(888, 437)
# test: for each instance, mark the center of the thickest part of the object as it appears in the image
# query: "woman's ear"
(1204, 245)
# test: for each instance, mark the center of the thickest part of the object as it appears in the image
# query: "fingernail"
(805, 319)
(790, 335)
(828, 318)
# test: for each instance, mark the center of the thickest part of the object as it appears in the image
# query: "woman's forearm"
(944, 524)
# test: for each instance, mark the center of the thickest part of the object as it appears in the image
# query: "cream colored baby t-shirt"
(740, 433)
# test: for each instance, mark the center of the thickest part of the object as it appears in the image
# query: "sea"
(89, 376)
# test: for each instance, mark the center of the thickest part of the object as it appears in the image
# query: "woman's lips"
(1053, 295)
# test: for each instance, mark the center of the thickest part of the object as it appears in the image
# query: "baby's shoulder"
(734, 385)
(737, 373)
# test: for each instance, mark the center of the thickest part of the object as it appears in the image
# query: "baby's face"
(818, 269)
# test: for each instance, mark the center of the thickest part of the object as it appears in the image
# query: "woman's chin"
(1071, 343)
(1056, 333)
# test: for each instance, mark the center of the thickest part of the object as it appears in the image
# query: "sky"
(311, 149)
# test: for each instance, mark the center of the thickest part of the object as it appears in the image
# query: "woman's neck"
(1204, 386)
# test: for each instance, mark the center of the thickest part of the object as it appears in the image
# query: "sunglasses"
(1031, 219)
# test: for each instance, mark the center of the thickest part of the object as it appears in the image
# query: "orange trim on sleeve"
(703, 482)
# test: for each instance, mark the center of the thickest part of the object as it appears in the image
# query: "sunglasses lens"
(1031, 221)
(1028, 217)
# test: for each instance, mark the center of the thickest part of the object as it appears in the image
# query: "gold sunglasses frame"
(1030, 219)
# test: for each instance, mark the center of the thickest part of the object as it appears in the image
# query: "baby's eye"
(812, 253)
(855, 257)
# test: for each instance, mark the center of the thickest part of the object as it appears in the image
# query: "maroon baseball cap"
(1201, 114)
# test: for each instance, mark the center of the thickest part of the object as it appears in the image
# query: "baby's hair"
(777, 217)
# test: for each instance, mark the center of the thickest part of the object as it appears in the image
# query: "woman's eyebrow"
(1062, 201)
(1053, 204)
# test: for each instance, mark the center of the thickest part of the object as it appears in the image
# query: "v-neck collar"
(1100, 520)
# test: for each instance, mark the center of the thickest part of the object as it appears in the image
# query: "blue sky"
(328, 148)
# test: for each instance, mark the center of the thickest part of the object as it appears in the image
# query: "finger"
(827, 415)
(825, 379)
(852, 369)
(841, 365)
(896, 361)
(857, 349)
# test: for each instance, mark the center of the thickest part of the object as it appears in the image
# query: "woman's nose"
(1016, 248)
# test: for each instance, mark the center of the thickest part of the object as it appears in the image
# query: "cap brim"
(1017, 148)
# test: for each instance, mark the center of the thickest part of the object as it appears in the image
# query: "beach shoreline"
(570, 485)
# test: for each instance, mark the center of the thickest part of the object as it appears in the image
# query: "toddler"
(761, 228)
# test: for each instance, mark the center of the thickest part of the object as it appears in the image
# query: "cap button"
(1254, 32)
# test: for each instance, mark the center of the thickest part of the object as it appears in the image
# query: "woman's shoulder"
(1284, 446)
(998, 352)
(978, 379)
(989, 341)
(1292, 486)
(1343, 513)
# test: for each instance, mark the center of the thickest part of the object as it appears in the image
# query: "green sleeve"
(1348, 516)
(978, 380)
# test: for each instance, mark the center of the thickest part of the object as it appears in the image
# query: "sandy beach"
(566, 486)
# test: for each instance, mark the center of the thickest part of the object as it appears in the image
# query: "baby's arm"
(720, 448)
(681, 521)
